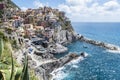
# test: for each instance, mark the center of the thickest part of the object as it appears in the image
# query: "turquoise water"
(100, 64)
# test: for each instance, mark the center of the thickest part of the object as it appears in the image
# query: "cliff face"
(64, 33)
(63, 37)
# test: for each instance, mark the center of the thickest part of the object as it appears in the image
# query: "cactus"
(5, 74)
(12, 69)
(1, 46)
(18, 74)
(1, 76)
(25, 74)
(8, 70)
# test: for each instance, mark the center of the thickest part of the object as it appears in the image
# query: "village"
(38, 33)
(41, 43)
(35, 27)
(30, 40)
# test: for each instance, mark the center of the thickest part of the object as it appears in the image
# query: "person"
(82, 54)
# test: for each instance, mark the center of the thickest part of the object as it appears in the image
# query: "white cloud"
(112, 5)
(88, 10)
(24, 8)
(64, 7)
(38, 4)
(78, 2)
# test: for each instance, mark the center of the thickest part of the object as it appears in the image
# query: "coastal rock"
(57, 48)
(47, 68)
(64, 37)
(98, 43)
(40, 56)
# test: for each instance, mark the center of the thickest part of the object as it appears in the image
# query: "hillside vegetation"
(9, 68)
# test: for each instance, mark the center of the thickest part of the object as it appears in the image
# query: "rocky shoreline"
(43, 71)
(99, 43)
(44, 64)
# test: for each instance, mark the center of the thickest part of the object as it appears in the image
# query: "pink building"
(2, 6)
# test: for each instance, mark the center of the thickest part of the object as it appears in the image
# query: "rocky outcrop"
(45, 69)
(64, 36)
(61, 37)
(98, 43)
(57, 48)
(40, 56)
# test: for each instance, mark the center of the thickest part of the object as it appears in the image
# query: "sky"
(79, 10)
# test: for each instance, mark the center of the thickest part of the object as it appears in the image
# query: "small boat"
(85, 47)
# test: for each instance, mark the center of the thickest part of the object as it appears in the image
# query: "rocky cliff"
(43, 71)
(64, 32)
(64, 37)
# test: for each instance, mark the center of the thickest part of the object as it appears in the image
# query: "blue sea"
(100, 64)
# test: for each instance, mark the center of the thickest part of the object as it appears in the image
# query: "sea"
(100, 64)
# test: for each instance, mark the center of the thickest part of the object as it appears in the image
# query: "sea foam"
(60, 73)
(113, 51)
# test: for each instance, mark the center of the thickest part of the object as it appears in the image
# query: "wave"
(113, 51)
(75, 66)
(60, 73)
(75, 61)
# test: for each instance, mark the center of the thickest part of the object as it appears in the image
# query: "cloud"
(38, 4)
(78, 2)
(24, 8)
(89, 10)
(112, 5)
(64, 7)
